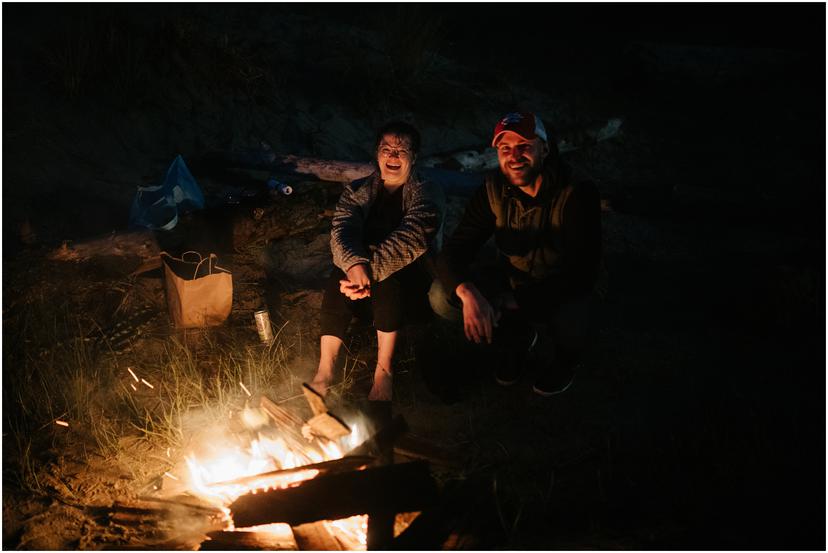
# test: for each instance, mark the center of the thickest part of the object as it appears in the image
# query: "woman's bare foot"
(321, 382)
(328, 352)
(383, 385)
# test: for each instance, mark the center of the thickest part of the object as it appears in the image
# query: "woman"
(383, 231)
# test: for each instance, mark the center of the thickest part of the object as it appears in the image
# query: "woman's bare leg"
(383, 382)
(329, 347)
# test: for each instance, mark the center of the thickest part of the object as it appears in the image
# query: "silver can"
(263, 325)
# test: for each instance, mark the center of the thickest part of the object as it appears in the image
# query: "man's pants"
(398, 300)
(567, 323)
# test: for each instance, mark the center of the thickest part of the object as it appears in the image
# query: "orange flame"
(213, 477)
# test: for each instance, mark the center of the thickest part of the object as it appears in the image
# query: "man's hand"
(479, 317)
(359, 275)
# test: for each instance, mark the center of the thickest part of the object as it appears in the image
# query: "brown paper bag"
(199, 292)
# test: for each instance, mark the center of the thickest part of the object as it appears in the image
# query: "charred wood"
(415, 447)
(462, 519)
(394, 488)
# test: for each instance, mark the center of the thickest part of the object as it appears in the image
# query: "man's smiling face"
(520, 160)
(395, 158)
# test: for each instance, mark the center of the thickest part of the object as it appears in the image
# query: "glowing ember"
(354, 530)
(133, 374)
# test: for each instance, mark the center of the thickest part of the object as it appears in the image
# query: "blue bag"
(157, 207)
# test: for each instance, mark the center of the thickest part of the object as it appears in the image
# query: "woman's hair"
(401, 129)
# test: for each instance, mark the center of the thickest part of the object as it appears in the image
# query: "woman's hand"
(352, 291)
(359, 275)
(358, 285)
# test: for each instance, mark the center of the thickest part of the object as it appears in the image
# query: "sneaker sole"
(506, 382)
(543, 393)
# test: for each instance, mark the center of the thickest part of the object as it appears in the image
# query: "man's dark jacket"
(549, 244)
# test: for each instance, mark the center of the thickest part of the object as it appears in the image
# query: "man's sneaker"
(554, 380)
(510, 367)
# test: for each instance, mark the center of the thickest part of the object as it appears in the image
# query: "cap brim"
(501, 133)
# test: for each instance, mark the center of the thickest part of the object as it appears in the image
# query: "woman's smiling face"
(395, 158)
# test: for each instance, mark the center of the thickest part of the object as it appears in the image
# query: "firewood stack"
(363, 482)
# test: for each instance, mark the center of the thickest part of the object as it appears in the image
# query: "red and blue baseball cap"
(528, 125)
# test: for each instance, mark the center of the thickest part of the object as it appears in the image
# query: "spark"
(62, 423)
(245, 389)
(133, 374)
(170, 475)
(133, 386)
(147, 383)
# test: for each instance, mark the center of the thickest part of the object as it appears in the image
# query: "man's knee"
(571, 323)
(444, 303)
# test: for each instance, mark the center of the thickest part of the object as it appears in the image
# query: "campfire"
(282, 482)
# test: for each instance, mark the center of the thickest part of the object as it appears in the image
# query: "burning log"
(316, 401)
(290, 424)
(464, 508)
(278, 537)
(315, 536)
(281, 416)
(178, 523)
(389, 489)
(324, 423)
(326, 467)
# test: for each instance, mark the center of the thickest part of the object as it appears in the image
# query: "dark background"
(711, 351)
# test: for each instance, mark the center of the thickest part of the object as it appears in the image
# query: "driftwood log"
(140, 245)
(459, 173)
(438, 167)
(389, 489)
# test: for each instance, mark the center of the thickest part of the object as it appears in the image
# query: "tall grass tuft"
(51, 373)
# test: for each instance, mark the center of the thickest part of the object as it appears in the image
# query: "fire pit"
(291, 487)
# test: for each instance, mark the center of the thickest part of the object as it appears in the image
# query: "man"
(383, 227)
(547, 232)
